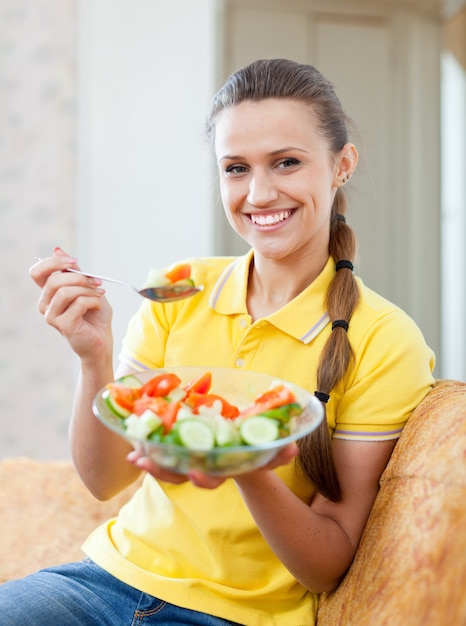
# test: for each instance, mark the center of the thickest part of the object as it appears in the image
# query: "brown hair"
(282, 78)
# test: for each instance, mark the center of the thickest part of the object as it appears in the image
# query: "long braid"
(316, 453)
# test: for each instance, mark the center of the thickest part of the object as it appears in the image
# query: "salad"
(177, 275)
(164, 410)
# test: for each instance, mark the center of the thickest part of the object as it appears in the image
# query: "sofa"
(410, 566)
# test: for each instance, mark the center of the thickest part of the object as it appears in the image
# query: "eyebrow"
(238, 157)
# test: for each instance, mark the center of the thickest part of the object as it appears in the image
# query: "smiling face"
(278, 177)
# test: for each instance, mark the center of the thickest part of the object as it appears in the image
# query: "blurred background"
(102, 152)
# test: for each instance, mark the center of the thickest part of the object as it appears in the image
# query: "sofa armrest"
(410, 567)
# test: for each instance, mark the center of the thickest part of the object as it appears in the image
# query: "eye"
(236, 170)
(288, 162)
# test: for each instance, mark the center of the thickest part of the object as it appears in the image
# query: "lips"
(270, 219)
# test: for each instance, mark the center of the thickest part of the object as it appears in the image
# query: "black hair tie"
(340, 324)
(344, 263)
(340, 217)
(323, 397)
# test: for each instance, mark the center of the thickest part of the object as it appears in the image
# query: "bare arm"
(98, 454)
(317, 543)
(76, 307)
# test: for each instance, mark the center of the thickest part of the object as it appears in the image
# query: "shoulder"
(386, 341)
(377, 314)
(391, 371)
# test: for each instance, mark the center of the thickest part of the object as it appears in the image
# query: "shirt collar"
(303, 318)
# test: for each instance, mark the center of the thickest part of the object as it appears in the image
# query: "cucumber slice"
(257, 430)
(127, 381)
(195, 434)
(130, 381)
(116, 408)
(176, 395)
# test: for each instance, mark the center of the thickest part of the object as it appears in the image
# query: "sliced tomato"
(271, 399)
(160, 385)
(276, 396)
(180, 272)
(167, 411)
(196, 400)
(124, 396)
(202, 384)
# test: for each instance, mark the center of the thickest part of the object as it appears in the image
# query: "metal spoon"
(162, 293)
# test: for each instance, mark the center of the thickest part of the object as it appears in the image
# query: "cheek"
(228, 197)
(230, 203)
(228, 210)
(223, 193)
(226, 200)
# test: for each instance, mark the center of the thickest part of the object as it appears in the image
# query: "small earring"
(345, 178)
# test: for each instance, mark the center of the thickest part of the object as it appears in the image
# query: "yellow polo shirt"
(201, 549)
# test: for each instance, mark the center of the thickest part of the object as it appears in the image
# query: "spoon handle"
(163, 293)
(110, 280)
(89, 275)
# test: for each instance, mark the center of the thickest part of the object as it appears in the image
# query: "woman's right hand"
(74, 304)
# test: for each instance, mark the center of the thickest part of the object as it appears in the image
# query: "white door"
(384, 64)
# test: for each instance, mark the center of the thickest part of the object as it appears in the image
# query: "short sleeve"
(392, 373)
(143, 346)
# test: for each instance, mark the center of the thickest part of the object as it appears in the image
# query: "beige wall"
(92, 95)
(37, 211)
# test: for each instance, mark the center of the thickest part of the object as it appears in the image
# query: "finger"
(68, 316)
(145, 463)
(204, 480)
(57, 251)
(61, 291)
(56, 282)
(287, 454)
(43, 268)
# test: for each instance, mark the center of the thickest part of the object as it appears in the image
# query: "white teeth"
(268, 220)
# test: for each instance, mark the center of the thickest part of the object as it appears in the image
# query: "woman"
(255, 549)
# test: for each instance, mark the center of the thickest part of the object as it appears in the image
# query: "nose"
(262, 190)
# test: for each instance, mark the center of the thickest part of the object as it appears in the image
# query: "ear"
(345, 164)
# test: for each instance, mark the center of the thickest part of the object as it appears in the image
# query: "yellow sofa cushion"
(45, 514)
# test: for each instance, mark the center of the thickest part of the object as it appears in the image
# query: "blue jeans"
(83, 594)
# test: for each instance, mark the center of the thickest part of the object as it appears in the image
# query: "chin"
(273, 253)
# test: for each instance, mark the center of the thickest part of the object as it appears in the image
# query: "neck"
(272, 284)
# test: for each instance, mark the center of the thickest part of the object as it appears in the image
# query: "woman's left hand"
(199, 478)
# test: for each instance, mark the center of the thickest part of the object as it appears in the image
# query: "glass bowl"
(238, 387)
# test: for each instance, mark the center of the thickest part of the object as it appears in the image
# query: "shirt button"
(239, 362)
(243, 323)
